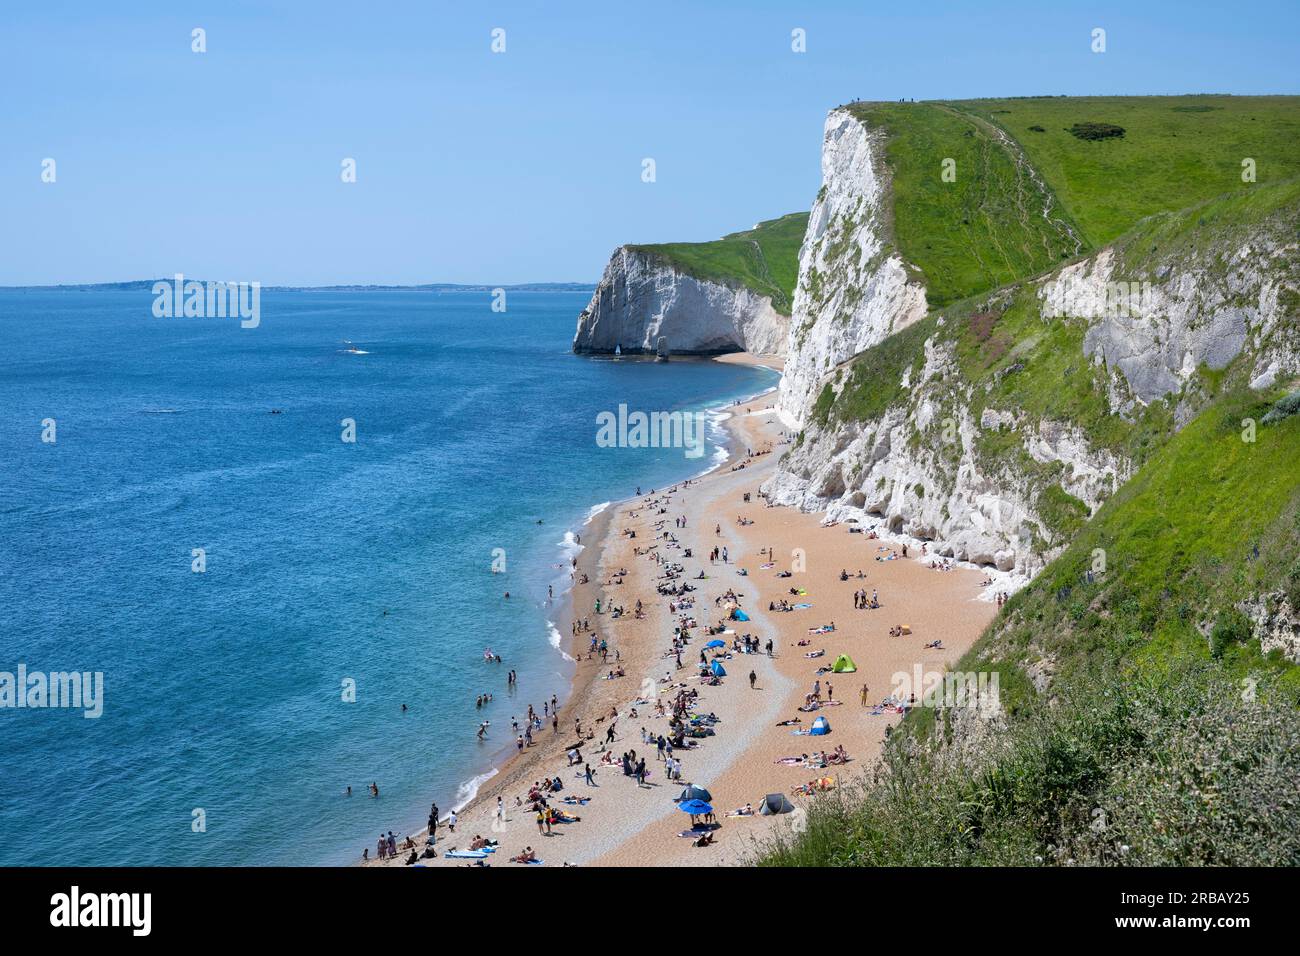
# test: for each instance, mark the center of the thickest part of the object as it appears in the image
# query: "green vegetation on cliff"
(1013, 159)
(1176, 151)
(764, 259)
(966, 213)
(1166, 737)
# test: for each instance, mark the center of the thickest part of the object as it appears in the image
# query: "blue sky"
(515, 167)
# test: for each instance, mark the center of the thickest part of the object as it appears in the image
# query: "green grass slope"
(1165, 737)
(981, 230)
(1013, 157)
(764, 259)
(1176, 151)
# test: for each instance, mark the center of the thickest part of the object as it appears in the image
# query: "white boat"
(351, 349)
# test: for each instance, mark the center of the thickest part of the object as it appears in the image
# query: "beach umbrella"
(715, 643)
(717, 669)
(696, 808)
(695, 793)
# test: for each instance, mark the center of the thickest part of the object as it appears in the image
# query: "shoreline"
(623, 823)
(505, 768)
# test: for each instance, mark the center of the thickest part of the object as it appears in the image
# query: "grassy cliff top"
(1102, 163)
(764, 259)
(1175, 151)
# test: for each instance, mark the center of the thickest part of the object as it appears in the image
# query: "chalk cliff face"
(641, 298)
(1184, 314)
(917, 470)
(853, 289)
(924, 466)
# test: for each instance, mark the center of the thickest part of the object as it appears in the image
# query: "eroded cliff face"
(854, 290)
(1180, 315)
(641, 298)
(947, 462)
(920, 470)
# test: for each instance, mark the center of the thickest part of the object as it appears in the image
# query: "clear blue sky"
(515, 167)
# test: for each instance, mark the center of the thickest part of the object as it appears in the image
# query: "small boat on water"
(351, 349)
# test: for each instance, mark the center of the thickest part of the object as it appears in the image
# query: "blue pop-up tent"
(820, 727)
(717, 669)
(739, 615)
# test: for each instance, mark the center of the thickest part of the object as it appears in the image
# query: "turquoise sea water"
(223, 689)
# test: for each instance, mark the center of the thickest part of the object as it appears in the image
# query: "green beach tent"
(844, 665)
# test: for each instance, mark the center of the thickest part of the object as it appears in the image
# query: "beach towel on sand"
(801, 607)
(466, 855)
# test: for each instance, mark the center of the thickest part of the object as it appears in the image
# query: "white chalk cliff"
(853, 289)
(642, 297)
(917, 468)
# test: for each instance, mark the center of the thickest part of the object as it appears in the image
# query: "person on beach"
(590, 775)
(753, 679)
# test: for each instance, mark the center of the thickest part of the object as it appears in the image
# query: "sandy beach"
(765, 555)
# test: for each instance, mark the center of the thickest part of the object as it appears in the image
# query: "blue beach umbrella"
(715, 643)
(696, 808)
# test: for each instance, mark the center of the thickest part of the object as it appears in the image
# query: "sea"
(181, 512)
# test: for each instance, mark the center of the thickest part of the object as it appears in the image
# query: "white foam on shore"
(556, 639)
(595, 510)
(468, 790)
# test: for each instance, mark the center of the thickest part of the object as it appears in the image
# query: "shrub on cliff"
(1096, 131)
(1185, 769)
